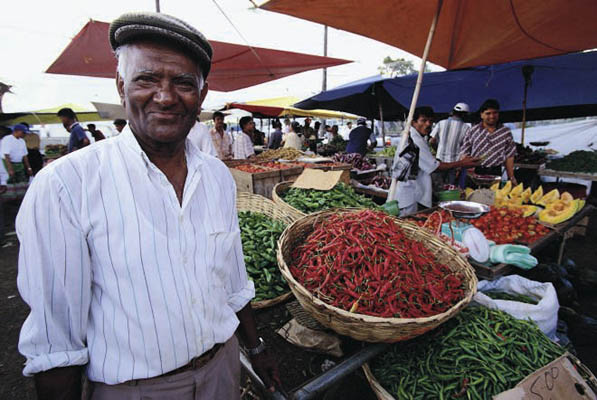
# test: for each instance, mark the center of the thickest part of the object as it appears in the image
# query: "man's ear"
(120, 88)
(202, 95)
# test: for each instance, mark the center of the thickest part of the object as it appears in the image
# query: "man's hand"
(29, 171)
(513, 180)
(267, 369)
(3, 188)
(468, 161)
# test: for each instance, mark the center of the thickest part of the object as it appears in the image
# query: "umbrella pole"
(524, 113)
(413, 102)
(383, 132)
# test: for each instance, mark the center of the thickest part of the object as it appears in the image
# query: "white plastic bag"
(544, 314)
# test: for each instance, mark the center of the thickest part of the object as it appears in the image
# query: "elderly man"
(492, 142)
(137, 273)
(414, 164)
(78, 138)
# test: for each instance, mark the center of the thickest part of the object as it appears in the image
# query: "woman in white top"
(292, 139)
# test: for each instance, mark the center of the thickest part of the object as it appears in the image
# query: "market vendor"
(358, 138)
(491, 142)
(336, 140)
(242, 147)
(414, 164)
(292, 139)
(135, 276)
(14, 152)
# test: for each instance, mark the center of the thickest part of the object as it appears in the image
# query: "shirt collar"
(73, 124)
(194, 156)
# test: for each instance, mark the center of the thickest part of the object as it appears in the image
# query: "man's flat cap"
(138, 25)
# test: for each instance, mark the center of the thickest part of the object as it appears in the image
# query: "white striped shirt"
(242, 147)
(449, 134)
(117, 273)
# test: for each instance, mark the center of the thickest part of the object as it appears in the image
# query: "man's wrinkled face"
(160, 92)
(219, 123)
(490, 117)
(423, 124)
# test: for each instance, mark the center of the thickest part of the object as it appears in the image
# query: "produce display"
(475, 355)
(250, 168)
(259, 235)
(577, 161)
(557, 207)
(380, 181)
(526, 155)
(355, 159)
(284, 153)
(311, 200)
(277, 165)
(509, 226)
(521, 298)
(362, 262)
(387, 152)
(500, 225)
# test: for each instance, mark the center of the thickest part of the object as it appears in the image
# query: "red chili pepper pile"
(362, 262)
(250, 168)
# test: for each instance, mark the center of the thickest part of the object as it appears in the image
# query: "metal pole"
(527, 72)
(383, 131)
(157, 5)
(324, 85)
(413, 102)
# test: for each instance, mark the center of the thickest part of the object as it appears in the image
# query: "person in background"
(336, 140)
(199, 135)
(220, 138)
(286, 128)
(78, 139)
(135, 275)
(32, 141)
(447, 137)
(308, 132)
(359, 136)
(14, 152)
(275, 139)
(346, 131)
(292, 139)
(119, 124)
(242, 147)
(96, 133)
(491, 142)
(415, 186)
(317, 127)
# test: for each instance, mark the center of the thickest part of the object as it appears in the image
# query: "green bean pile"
(311, 200)
(521, 298)
(259, 235)
(475, 355)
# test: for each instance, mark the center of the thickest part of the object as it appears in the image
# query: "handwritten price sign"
(557, 380)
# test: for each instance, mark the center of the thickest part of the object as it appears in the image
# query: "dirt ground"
(296, 366)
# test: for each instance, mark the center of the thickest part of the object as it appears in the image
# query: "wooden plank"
(567, 174)
(370, 192)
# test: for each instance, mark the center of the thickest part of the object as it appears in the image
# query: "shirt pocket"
(221, 255)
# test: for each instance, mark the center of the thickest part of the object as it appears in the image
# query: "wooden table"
(561, 231)
(371, 192)
(567, 174)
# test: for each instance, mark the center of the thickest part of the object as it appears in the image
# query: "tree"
(398, 67)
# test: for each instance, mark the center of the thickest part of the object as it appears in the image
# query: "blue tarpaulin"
(560, 87)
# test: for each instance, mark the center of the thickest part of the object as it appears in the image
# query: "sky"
(34, 33)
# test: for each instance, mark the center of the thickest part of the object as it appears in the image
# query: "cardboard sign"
(317, 179)
(557, 380)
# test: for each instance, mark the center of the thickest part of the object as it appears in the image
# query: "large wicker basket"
(380, 392)
(256, 203)
(277, 197)
(365, 327)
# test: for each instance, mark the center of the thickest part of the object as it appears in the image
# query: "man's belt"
(195, 363)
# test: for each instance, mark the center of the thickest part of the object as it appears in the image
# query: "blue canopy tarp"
(560, 87)
(362, 97)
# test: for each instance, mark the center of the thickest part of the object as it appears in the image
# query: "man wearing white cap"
(448, 135)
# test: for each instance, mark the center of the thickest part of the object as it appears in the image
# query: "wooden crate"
(258, 183)
(290, 174)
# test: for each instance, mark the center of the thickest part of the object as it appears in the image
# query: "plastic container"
(392, 208)
(448, 195)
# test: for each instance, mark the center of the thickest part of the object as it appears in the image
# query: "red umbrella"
(234, 66)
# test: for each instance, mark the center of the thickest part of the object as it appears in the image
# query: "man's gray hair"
(122, 55)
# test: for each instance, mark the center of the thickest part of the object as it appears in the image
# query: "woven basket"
(365, 327)
(380, 392)
(256, 203)
(276, 196)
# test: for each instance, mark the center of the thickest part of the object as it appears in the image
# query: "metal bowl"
(485, 180)
(465, 209)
